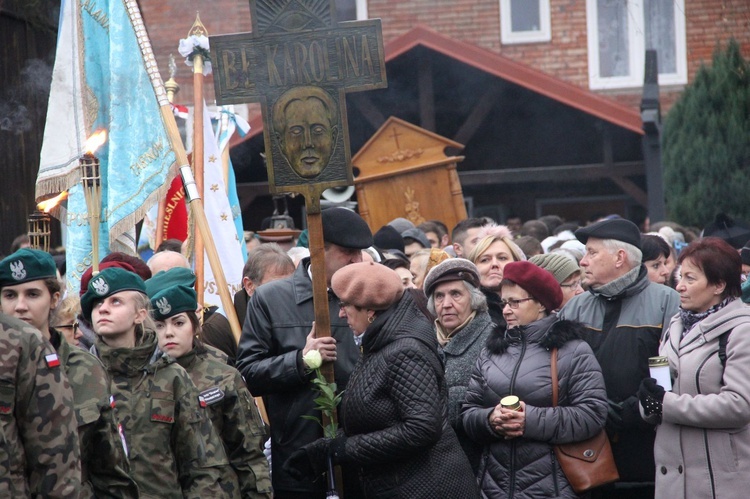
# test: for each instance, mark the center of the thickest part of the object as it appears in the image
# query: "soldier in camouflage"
(223, 391)
(173, 449)
(29, 290)
(39, 454)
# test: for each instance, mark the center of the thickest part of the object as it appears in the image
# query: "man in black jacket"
(278, 330)
(624, 314)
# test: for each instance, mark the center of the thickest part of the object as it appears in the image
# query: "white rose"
(312, 359)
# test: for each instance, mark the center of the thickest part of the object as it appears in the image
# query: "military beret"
(536, 281)
(616, 228)
(170, 301)
(167, 278)
(453, 269)
(106, 283)
(345, 228)
(89, 273)
(367, 285)
(26, 265)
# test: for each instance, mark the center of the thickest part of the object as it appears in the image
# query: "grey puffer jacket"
(460, 355)
(518, 363)
(394, 413)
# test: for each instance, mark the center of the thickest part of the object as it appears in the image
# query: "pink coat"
(703, 443)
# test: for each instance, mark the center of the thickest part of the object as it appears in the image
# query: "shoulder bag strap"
(553, 372)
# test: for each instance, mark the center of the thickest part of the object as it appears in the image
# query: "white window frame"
(636, 48)
(361, 10)
(508, 37)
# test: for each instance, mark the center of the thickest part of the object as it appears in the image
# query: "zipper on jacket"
(512, 467)
(517, 367)
(554, 471)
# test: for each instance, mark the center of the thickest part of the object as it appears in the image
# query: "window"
(351, 10)
(524, 21)
(620, 32)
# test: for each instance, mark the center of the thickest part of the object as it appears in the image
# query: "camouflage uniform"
(173, 450)
(235, 417)
(39, 453)
(103, 464)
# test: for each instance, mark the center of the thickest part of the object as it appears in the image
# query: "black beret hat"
(388, 238)
(617, 228)
(345, 228)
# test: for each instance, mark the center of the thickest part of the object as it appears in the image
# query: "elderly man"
(462, 324)
(266, 263)
(624, 314)
(279, 329)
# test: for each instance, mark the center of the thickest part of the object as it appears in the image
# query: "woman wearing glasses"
(518, 459)
(30, 291)
(565, 270)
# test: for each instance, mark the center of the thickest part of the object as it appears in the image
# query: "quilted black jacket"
(394, 413)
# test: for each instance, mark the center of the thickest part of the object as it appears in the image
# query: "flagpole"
(172, 88)
(198, 246)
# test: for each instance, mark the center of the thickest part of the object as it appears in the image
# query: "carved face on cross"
(305, 121)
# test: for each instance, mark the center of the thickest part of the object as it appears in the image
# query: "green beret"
(26, 265)
(173, 300)
(106, 283)
(175, 276)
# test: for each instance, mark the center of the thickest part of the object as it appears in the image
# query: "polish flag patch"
(52, 360)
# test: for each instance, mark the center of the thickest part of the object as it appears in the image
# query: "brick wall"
(475, 21)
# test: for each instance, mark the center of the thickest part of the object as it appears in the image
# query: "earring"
(371, 319)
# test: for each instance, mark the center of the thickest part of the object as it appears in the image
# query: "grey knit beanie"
(557, 264)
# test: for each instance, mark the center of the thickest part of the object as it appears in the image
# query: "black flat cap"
(617, 228)
(388, 238)
(345, 228)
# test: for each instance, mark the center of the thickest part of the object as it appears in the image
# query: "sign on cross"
(298, 62)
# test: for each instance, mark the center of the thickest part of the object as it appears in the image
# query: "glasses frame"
(514, 304)
(573, 285)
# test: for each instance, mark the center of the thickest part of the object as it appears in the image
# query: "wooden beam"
(569, 173)
(426, 93)
(629, 187)
(368, 109)
(477, 115)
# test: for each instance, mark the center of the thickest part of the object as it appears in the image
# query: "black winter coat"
(394, 413)
(518, 363)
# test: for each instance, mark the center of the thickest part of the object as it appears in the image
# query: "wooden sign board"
(404, 172)
(299, 63)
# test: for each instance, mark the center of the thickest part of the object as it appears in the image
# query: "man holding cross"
(279, 329)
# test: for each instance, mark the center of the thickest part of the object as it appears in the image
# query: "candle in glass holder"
(658, 368)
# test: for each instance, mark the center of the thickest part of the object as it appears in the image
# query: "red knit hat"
(367, 285)
(536, 281)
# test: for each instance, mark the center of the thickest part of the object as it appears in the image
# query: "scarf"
(617, 286)
(444, 337)
(690, 319)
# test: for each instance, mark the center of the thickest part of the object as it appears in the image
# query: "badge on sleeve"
(211, 396)
(52, 360)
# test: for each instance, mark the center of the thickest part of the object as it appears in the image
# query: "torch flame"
(47, 205)
(95, 141)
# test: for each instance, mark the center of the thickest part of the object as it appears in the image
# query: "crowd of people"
(132, 388)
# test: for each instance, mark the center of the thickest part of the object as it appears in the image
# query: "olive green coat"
(172, 448)
(235, 418)
(39, 453)
(103, 463)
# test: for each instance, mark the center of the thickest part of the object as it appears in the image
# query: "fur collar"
(549, 332)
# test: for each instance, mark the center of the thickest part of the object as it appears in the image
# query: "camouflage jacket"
(103, 464)
(235, 417)
(172, 448)
(39, 453)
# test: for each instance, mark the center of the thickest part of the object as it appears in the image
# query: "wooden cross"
(298, 62)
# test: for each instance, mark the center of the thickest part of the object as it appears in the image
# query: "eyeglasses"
(514, 304)
(73, 326)
(343, 304)
(572, 285)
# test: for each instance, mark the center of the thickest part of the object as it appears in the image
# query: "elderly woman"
(565, 270)
(463, 326)
(492, 253)
(518, 460)
(393, 412)
(702, 444)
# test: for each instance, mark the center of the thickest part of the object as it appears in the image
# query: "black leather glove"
(309, 462)
(651, 397)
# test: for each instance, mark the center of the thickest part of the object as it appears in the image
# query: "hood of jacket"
(402, 319)
(144, 357)
(550, 332)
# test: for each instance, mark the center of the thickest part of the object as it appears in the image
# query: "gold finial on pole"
(171, 85)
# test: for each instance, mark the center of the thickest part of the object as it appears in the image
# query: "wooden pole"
(172, 88)
(198, 248)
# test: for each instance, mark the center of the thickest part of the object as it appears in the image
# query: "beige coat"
(703, 443)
